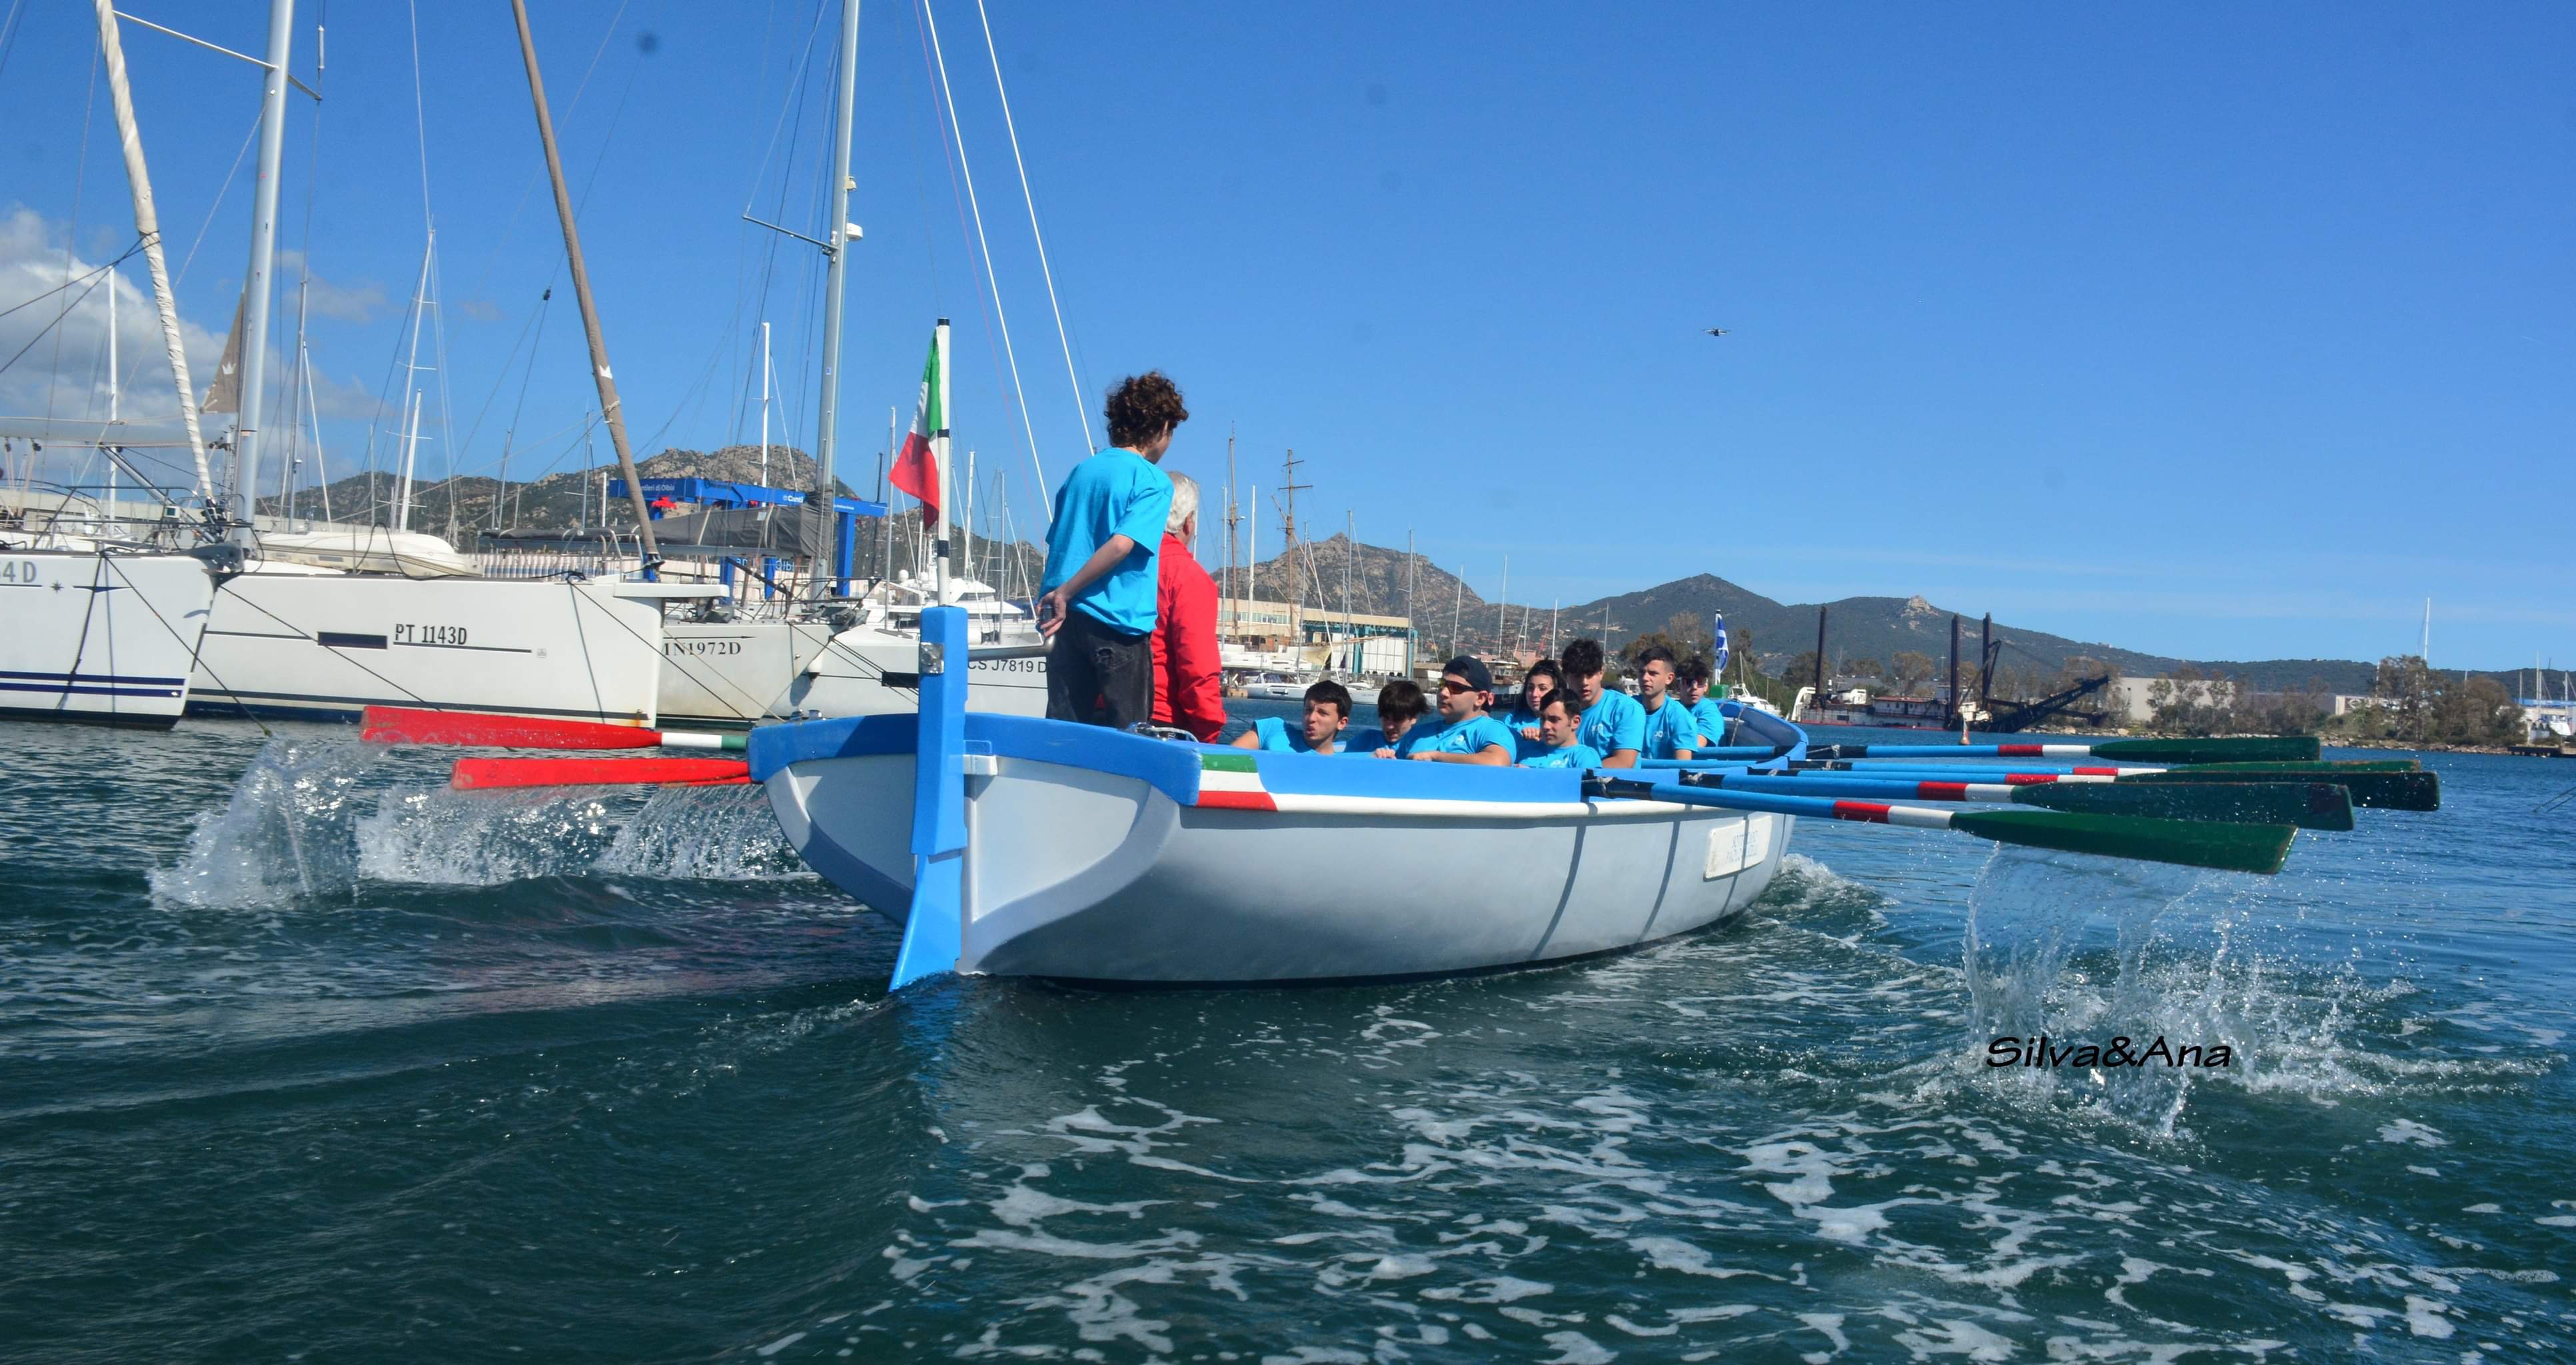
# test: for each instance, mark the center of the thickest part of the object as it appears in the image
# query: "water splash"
(314, 821)
(705, 833)
(286, 832)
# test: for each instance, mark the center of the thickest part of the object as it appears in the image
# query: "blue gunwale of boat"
(1171, 768)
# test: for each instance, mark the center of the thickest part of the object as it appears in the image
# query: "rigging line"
(791, 103)
(512, 225)
(1019, 395)
(420, 119)
(9, 32)
(100, 270)
(1081, 412)
(454, 472)
(80, 176)
(196, 649)
(511, 433)
(94, 277)
(221, 193)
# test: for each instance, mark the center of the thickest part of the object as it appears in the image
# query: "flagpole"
(939, 441)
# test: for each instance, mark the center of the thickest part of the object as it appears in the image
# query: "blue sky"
(2233, 333)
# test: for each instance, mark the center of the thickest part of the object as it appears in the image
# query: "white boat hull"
(871, 672)
(104, 639)
(1077, 872)
(325, 646)
(734, 673)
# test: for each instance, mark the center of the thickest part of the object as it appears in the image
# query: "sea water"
(303, 1056)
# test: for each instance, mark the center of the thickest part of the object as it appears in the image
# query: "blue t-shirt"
(1367, 741)
(1114, 493)
(1417, 734)
(1280, 738)
(1669, 727)
(1711, 719)
(1466, 737)
(1617, 721)
(1575, 755)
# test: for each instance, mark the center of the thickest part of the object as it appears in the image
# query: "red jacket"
(1187, 692)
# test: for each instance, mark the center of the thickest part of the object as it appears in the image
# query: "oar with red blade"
(487, 774)
(409, 725)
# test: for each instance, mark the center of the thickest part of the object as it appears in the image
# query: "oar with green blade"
(2308, 805)
(2388, 791)
(2229, 847)
(2252, 748)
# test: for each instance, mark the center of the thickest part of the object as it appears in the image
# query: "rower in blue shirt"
(1671, 729)
(1401, 723)
(1328, 713)
(1558, 720)
(1613, 723)
(1543, 678)
(1692, 684)
(1467, 734)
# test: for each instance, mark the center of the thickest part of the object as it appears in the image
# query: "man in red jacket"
(1187, 692)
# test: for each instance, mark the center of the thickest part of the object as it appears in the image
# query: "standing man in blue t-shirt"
(1613, 723)
(1096, 599)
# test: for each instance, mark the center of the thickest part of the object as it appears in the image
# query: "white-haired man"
(1188, 692)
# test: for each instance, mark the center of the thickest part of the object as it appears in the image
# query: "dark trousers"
(1098, 675)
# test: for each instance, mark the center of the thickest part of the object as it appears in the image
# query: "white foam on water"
(285, 832)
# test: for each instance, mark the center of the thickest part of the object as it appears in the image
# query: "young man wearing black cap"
(1467, 734)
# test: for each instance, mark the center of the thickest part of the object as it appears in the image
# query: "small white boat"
(1269, 685)
(1077, 852)
(872, 668)
(99, 635)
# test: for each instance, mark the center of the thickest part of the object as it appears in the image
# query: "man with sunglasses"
(1466, 733)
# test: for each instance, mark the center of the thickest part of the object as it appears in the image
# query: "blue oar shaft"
(1875, 788)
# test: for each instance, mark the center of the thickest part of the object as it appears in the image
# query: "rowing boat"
(1078, 852)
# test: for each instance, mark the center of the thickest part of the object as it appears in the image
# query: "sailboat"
(294, 634)
(104, 615)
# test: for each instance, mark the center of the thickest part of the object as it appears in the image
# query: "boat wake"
(316, 820)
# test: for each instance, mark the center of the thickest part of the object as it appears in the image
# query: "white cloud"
(64, 371)
(358, 302)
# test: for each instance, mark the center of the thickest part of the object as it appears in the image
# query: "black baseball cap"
(1471, 671)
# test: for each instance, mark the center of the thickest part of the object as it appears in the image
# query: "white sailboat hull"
(101, 638)
(324, 646)
(871, 672)
(734, 673)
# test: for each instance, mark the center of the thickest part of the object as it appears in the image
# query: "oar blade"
(2247, 749)
(2227, 847)
(410, 725)
(489, 774)
(2308, 805)
(2384, 791)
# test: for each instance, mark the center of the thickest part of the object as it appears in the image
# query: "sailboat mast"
(839, 234)
(147, 227)
(609, 409)
(411, 377)
(244, 495)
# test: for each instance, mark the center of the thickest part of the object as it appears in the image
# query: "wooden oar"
(485, 774)
(2258, 748)
(2308, 805)
(408, 725)
(2233, 848)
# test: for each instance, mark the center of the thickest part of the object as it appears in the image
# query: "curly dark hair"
(1141, 407)
(1694, 670)
(1582, 658)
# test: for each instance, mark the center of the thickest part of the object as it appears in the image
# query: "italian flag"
(916, 466)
